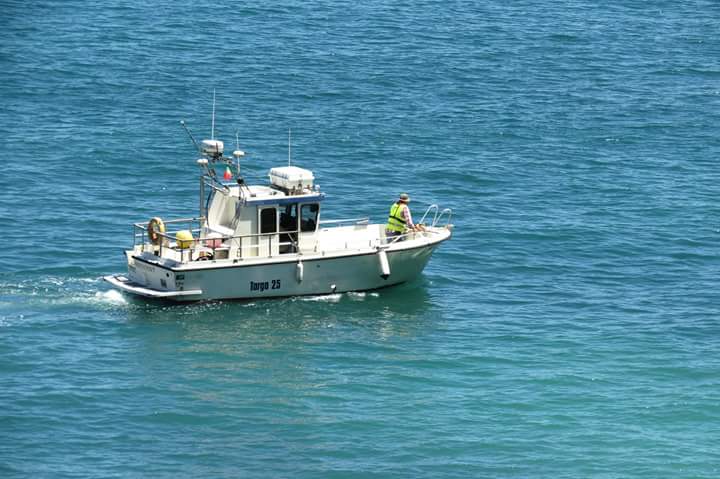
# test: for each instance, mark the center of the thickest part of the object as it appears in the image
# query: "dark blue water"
(569, 329)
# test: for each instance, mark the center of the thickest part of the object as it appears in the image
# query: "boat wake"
(110, 297)
(54, 291)
(337, 297)
(328, 298)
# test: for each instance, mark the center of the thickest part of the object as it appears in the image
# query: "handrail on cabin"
(357, 221)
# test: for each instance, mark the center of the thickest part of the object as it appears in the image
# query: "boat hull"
(284, 276)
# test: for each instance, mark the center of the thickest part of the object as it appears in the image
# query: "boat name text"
(264, 285)
(145, 267)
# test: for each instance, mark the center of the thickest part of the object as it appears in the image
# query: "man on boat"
(400, 219)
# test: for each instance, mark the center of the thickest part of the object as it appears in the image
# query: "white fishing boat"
(260, 241)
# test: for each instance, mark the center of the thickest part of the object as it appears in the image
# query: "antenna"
(182, 122)
(289, 130)
(212, 127)
(238, 153)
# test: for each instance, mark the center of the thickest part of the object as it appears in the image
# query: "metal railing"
(223, 243)
(167, 239)
(437, 216)
(140, 231)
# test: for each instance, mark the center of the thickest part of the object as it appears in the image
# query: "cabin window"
(268, 220)
(289, 224)
(309, 214)
(288, 218)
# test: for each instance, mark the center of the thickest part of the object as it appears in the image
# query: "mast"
(212, 125)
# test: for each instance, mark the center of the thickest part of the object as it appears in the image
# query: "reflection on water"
(397, 310)
(309, 346)
(402, 310)
(288, 324)
(278, 348)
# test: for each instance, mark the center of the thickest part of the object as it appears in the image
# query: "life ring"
(155, 228)
(205, 256)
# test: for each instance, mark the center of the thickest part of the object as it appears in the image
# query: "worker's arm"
(408, 218)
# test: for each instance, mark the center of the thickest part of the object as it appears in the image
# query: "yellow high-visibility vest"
(396, 220)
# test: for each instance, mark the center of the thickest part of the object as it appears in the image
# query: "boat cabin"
(245, 221)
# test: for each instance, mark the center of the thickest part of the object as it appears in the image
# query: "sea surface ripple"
(569, 329)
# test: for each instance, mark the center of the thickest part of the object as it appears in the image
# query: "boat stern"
(149, 279)
(125, 284)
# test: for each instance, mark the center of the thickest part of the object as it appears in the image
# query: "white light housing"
(212, 147)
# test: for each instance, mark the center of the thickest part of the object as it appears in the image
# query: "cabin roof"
(266, 195)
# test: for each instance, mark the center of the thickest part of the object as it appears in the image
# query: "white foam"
(330, 298)
(111, 296)
(356, 296)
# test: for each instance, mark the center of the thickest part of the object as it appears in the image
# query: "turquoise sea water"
(569, 329)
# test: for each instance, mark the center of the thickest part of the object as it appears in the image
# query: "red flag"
(228, 174)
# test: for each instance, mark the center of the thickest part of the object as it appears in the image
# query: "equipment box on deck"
(291, 177)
